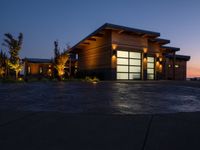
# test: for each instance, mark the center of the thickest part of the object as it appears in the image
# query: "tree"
(14, 46)
(3, 60)
(60, 60)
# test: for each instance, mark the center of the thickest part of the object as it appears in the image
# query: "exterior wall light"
(145, 50)
(114, 53)
(114, 46)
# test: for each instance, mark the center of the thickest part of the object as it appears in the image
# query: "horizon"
(69, 23)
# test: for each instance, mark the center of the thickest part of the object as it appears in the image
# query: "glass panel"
(122, 75)
(122, 54)
(122, 68)
(134, 69)
(150, 65)
(135, 55)
(135, 62)
(150, 76)
(122, 61)
(150, 59)
(150, 71)
(134, 76)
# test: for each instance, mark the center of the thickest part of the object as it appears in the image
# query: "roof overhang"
(170, 49)
(37, 60)
(107, 26)
(180, 57)
(160, 41)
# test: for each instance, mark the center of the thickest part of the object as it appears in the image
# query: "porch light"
(114, 46)
(114, 53)
(145, 54)
(145, 50)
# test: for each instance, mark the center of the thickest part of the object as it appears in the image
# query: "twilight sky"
(69, 21)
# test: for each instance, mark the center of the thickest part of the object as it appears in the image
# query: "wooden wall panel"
(97, 54)
(180, 72)
(134, 41)
(153, 47)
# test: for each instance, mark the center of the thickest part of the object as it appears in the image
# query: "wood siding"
(97, 54)
(131, 41)
(153, 47)
(180, 72)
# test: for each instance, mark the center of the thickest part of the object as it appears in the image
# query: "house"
(114, 52)
(35, 67)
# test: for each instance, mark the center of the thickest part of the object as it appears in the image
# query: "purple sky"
(69, 21)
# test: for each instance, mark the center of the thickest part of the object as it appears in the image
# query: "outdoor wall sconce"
(145, 50)
(157, 59)
(160, 60)
(114, 53)
(114, 46)
(145, 55)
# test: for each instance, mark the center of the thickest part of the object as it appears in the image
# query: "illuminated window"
(150, 68)
(135, 55)
(176, 66)
(134, 69)
(135, 62)
(134, 76)
(150, 76)
(122, 75)
(122, 68)
(41, 70)
(150, 59)
(122, 61)
(29, 69)
(76, 56)
(122, 54)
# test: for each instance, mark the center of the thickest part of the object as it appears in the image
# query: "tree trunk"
(16, 74)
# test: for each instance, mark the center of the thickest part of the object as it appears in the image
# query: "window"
(135, 55)
(41, 70)
(134, 69)
(122, 61)
(122, 68)
(134, 76)
(122, 54)
(150, 68)
(29, 70)
(122, 75)
(135, 62)
(176, 66)
(76, 56)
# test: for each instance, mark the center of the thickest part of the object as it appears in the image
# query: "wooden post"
(174, 60)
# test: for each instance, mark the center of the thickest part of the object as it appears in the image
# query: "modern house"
(35, 67)
(115, 52)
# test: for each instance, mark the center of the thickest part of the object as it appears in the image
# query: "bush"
(90, 79)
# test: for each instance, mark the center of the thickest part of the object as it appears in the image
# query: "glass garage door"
(150, 68)
(128, 65)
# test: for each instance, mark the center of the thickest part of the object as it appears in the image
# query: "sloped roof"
(120, 28)
(181, 57)
(171, 48)
(37, 60)
(160, 41)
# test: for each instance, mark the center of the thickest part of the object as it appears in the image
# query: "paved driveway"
(102, 98)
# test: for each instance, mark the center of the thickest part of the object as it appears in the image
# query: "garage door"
(128, 65)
